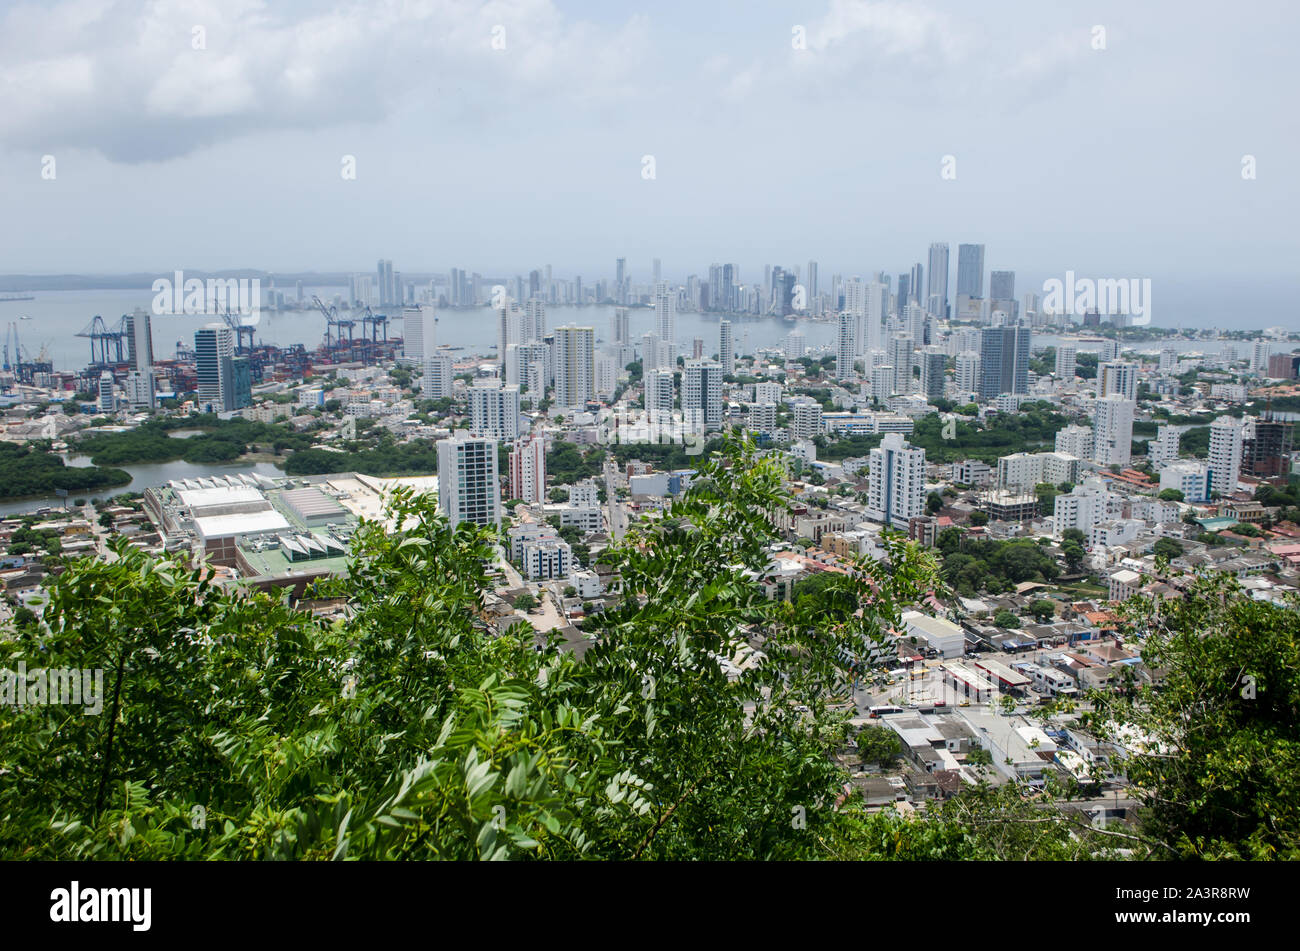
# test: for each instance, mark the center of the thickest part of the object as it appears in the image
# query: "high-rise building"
(932, 363)
(1112, 419)
(916, 291)
(900, 355)
(846, 346)
(1267, 453)
(702, 394)
(1067, 362)
(968, 370)
(875, 308)
(1260, 351)
(620, 280)
(107, 399)
(420, 348)
(726, 348)
(805, 419)
(970, 270)
(139, 337)
(1117, 376)
(438, 379)
(528, 469)
(1226, 443)
(534, 321)
(494, 410)
(666, 312)
(1076, 441)
(896, 482)
(1002, 286)
(796, 344)
(1164, 448)
(1004, 361)
(810, 286)
(575, 367)
(659, 393)
(213, 356)
(620, 331)
(468, 489)
(937, 297)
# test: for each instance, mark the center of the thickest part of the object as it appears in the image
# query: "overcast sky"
(1123, 161)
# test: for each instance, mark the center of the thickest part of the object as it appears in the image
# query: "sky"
(1111, 138)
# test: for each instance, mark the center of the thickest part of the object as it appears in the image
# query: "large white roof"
(221, 526)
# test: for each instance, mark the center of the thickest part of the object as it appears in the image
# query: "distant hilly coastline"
(16, 283)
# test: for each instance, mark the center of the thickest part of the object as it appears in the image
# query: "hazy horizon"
(500, 137)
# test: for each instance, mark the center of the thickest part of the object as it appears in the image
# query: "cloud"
(149, 81)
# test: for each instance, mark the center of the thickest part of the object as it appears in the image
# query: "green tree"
(1217, 748)
(1171, 495)
(878, 744)
(1004, 618)
(525, 602)
(1042, 609)
(1168, 548)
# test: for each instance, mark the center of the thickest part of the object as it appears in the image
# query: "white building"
(968, 371)
(1085, 506)
(1226, 437)
(702, 394)
(1066, 363)
(1024, 470)
(575, 366)
(726, 348)
(468, 490)
(846, 346)
(494, 410)
(1188, 476)
(1112, 421)
(805, 419)
(1164, 448)
(1118, 376)
(897, 482)
(1075, 441)
(659, 393)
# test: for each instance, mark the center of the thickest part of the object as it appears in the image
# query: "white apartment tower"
(658, 384)
(1226, 438)
(968, 371)
(666, 312)
(1118, 376)
(1113, 430)
(1075, 441)
(846, 348)
(726, 348)
(575, 367)
(468, 490)
(702, 394)
(494, 410)
(897, 482)
(1067, 358)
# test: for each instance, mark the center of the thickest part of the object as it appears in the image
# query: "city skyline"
(1088, 158)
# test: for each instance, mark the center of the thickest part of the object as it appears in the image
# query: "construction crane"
(102, 339)
(239, 329)
(331, 315)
